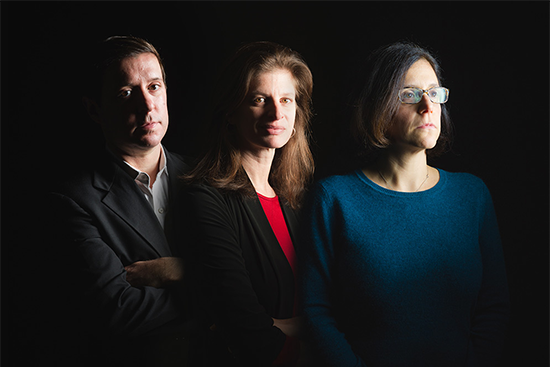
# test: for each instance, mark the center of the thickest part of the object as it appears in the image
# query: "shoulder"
(201, 192)
(338, 182)
(180, 163)
(98, 171)
(338, 188)
(463, 181)
(339, 185)
(466, 187)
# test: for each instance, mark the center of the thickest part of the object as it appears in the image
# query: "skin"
(264, 123)
(133, 114)
(414, 129)
(133, 111)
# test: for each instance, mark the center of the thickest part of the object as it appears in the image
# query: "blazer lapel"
(124, 198)
(291, 222)
(271, 244)
(176, 167)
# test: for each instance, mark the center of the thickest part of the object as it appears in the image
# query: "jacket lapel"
(291, 222)
(272, 248)
(124, 198)
(176, 167)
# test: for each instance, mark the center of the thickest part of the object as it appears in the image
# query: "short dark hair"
(378, 101)
(109, 51)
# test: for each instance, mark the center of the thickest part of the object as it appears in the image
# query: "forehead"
(421, 73)
(278, 78)
(144, 66)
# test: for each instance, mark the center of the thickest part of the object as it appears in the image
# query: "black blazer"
(101, 223)
(243, 273)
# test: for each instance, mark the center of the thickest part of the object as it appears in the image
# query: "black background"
(495, 61)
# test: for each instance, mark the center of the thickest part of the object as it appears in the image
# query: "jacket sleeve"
(317, 283)
(490, 318)
(92, 273)
(225, 281)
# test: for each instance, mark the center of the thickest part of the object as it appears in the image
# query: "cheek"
(118, 118)
(398, 124)
(164, 103)
(291, 117)
(437, 115)
(244, 125)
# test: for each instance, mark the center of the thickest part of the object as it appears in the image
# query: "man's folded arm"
(99, 277)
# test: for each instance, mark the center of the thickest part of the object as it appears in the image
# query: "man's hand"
(158, 273)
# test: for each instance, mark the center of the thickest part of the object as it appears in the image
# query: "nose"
(425, 105)
(277, 112)
(145, 101)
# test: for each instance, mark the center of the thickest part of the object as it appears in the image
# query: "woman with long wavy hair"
(242, 203)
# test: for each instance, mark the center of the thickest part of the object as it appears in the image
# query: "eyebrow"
(255, 92)
(429, 86)
(122, 82)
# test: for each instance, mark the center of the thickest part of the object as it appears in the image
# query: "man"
(117, 266)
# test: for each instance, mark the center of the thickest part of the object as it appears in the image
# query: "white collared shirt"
(157, 195)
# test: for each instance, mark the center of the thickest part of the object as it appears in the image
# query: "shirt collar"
(134, 172)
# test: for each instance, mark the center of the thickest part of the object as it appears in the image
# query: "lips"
(428, 125)
(274, 130)
(149, 125)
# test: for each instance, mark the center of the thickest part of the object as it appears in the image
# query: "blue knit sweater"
(403, 279)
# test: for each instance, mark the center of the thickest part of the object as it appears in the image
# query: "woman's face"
(265, 120)
(418, 125)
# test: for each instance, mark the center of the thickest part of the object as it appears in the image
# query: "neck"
(403, 172)
(257, 167)
(147, 161)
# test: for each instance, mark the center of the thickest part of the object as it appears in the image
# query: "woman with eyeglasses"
(403, 264)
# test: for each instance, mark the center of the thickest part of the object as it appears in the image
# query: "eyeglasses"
(413, 95)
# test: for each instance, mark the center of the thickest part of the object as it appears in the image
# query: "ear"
(92, 108)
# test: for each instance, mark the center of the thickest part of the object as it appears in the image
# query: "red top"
(272, 209)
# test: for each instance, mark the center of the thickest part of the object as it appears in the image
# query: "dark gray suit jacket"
(100, 223)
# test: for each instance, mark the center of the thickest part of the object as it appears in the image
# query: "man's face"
(133, 110)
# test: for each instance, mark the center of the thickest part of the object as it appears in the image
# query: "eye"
(286, 100)
(408, 95)
(125, 93)
(259, 100)
(155, 86)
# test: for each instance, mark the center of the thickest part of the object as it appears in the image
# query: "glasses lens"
(438, 95)
(413, 95)
(410, 95)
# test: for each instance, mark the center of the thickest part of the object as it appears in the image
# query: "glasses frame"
(424, 91)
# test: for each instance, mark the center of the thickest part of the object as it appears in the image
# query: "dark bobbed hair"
(111, 51)
(378, 101)
(221, 165)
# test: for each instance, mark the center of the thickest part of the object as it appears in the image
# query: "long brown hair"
(292, 167)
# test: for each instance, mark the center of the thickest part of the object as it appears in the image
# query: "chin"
(429, 143)
(277, 143)
(152, 140)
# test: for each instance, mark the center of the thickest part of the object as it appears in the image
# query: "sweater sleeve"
(490, 318)
(317, 282)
